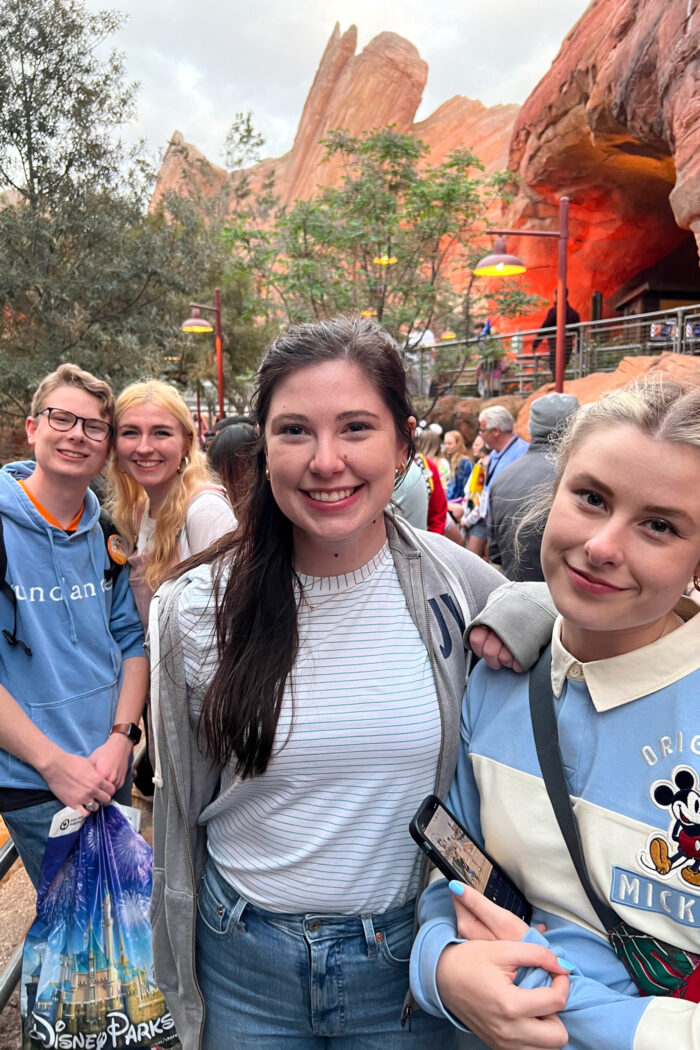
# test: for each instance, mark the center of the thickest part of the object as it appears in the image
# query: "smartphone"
(447, 843)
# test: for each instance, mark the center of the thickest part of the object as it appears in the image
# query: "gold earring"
(267, 473)
(696, 583)
(400, 471)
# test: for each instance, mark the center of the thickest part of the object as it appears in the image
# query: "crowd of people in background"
(314, 586)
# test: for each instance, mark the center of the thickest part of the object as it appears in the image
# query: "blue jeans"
(30, 829)
(306, 982)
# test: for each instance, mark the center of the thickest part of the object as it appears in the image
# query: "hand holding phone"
(454, 852)
(480, 919)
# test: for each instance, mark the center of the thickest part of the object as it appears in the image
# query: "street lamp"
(197, 324)
(500, 264)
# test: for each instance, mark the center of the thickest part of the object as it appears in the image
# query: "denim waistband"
(311, 925)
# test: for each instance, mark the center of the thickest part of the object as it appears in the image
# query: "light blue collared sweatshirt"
(80, 628)
(628, 731)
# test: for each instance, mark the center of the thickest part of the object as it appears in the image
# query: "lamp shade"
(195, 323)
(499, 263)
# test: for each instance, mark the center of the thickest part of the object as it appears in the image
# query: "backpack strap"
(9, 636)
(115, 547)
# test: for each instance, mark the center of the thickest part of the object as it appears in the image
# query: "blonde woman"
(624, 667)
(460, 465)
(163, 501)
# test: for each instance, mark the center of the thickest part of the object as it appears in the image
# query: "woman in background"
(230, 457)
(428, 442)
(460, 464)
(163, 500)
(460, 469)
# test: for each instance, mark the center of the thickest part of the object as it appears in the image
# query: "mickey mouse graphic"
(682, 799)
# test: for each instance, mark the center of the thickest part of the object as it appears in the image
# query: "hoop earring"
(399, 472)
(267, 473)
(696, 583)
(183, 464)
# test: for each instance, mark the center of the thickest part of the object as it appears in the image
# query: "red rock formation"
(183, 169)
(382, 85)
(615, 125)
(465, 121)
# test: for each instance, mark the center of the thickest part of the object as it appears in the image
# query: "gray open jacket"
(431, 580)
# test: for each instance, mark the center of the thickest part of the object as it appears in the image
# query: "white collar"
(620, 679)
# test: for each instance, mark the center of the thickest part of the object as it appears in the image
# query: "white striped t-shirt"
(325, 829)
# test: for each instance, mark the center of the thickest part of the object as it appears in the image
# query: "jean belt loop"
(370, 936)
(238, 909)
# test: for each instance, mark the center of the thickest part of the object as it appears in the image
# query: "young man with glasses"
(73, 674)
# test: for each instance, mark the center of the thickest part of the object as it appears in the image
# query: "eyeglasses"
(60, 419)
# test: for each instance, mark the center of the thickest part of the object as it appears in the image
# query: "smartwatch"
(129, 729)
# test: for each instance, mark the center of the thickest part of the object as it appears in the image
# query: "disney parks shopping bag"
(87, 971)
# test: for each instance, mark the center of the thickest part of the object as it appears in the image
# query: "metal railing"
(598, 346)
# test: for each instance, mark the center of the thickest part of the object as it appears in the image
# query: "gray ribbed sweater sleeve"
(522, 615)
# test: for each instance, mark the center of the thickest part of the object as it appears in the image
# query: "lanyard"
(490, 470)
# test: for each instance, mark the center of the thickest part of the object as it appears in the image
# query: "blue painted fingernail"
(456, 887)
(564, 964)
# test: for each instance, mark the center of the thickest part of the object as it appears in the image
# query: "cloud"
(199, 64)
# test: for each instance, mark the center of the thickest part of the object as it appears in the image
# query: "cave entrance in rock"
(670, 283)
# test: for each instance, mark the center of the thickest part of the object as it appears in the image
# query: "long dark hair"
(256, 611)
(230, 455)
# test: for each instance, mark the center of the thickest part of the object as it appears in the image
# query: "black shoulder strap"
(544, 728)
(9, 636)
(109, 530)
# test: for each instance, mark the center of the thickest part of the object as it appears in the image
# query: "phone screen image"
(459, 850)
(459, 857)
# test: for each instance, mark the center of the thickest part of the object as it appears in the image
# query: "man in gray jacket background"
(512, 490)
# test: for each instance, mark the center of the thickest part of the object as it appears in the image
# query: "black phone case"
(514, 899)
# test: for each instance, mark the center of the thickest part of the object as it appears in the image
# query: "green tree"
(394, 240)
(86, 273)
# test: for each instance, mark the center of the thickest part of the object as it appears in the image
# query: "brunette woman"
(306, 693)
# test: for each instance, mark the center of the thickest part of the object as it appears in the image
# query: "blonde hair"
(459, 453)
(662, 409)
(128, 500)
(70, 375)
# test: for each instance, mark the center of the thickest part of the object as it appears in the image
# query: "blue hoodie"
(80, 629)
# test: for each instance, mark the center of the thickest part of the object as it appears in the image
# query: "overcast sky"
(201, 61)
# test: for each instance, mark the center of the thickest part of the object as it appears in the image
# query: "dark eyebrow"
(355, 412)
(654, 511)
(297, 417)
